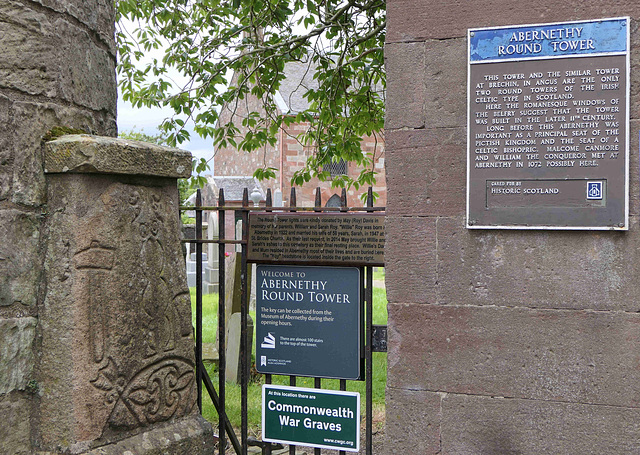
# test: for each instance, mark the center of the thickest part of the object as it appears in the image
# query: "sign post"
(326, 419)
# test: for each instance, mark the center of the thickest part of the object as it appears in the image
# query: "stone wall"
(117, 354)
(96, 347)
(57, 68)
(499, 341)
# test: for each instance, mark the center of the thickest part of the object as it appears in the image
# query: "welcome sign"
(308, 321)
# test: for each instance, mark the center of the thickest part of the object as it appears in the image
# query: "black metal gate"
(375, 336)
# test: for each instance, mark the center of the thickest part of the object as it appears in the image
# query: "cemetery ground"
(209, 327)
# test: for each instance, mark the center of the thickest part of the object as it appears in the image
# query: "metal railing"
(240, 445)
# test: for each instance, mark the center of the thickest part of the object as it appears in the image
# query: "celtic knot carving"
(155, 394)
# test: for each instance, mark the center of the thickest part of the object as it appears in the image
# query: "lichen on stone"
(59, 131)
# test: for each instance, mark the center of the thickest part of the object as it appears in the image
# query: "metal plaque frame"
(586, 194)
(302, 335)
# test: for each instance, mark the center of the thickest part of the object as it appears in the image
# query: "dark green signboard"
(327, 419)
(308, 321)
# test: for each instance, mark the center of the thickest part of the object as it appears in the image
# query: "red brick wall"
(230, 161)
(295, 156)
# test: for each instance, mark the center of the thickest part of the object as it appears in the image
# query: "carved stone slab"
(117, 335)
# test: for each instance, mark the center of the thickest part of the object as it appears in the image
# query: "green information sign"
(308, 321)
(327, 419)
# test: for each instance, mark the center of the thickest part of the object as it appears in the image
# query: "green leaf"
(230, 57)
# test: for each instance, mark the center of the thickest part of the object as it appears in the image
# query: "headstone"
(212, 268)
(232, 285)
(277, 198)
(233, 294)
(233, 364)
(238, 235)
(334, 201)
(192, 266)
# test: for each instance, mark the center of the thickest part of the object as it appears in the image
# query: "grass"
(209, 327)
(378, 273)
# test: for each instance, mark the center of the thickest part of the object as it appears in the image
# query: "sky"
(147, 121)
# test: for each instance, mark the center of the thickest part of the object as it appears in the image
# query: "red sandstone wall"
(500, 342)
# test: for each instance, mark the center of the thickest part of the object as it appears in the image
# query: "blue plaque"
(606, 36)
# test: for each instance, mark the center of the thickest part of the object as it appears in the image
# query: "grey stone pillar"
(117, 361)
(57, 69)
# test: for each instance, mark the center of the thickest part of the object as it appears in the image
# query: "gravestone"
(117, 362)
(212, 268)
(233, 302)
(234, 332)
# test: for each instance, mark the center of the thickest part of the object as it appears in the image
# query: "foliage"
(185, 188)
(227, 51)
(135, 135)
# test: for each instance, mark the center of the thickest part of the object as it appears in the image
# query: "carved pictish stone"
(117, 335)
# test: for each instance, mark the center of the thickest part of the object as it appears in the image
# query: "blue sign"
(594, 190)
(605, 36)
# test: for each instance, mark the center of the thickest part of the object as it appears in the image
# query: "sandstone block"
(191, 435)
(406, 87)
(19, 265)
(426, 171)
(116, 321)
(15, 438)
(29, 123)
(88, 77)
(541, 269)
(552, 355)
(51, 55)
(102, 155)
(446, 89)
(30, 61)
(16, 355)
(479, 425)
(634, 163)
(412, 422)
(410, 259)
(6, 152)
(98, 15)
